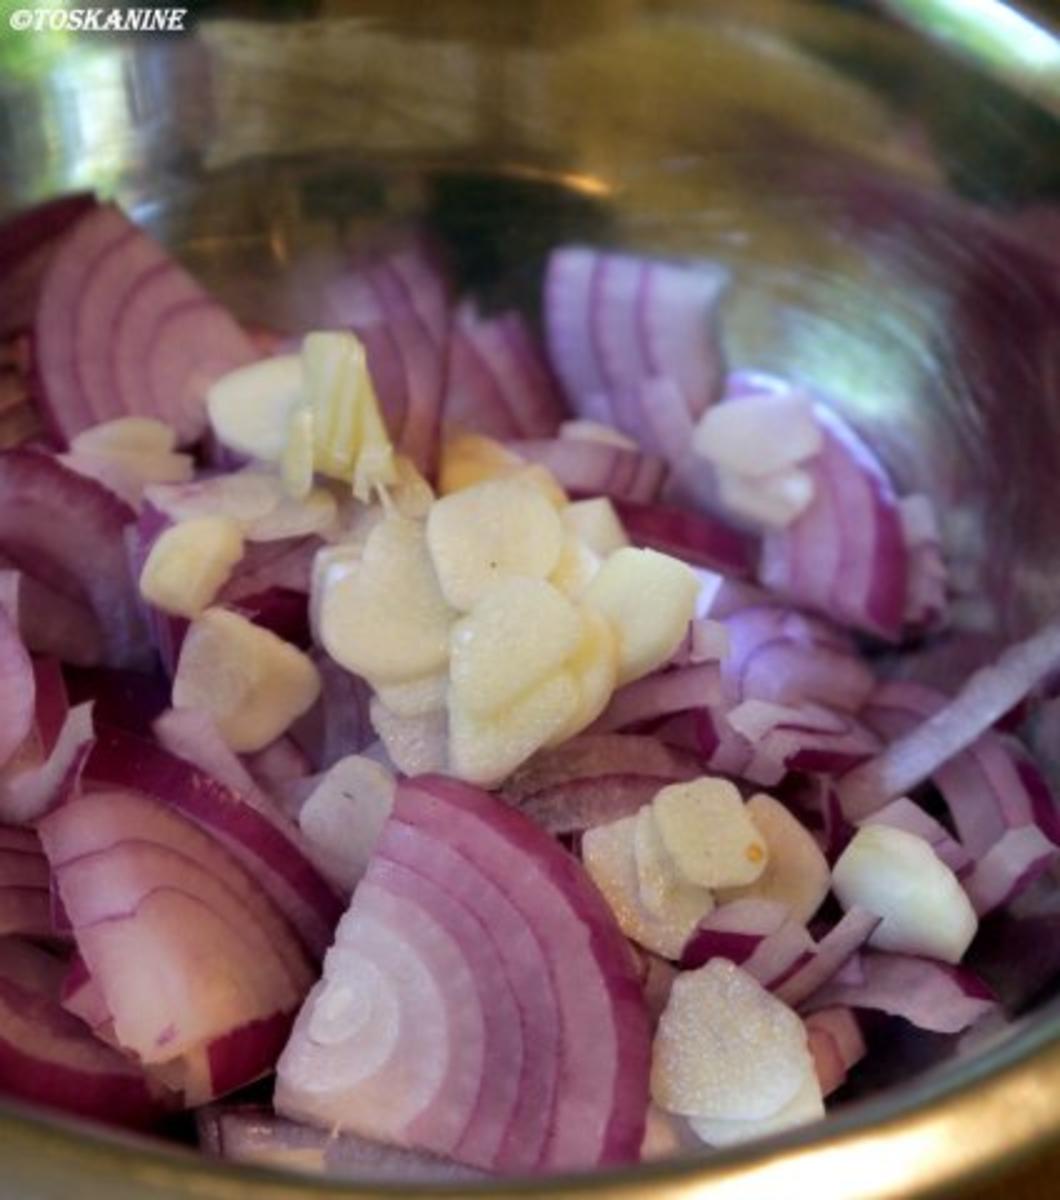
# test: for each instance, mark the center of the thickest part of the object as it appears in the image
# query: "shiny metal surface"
(887, 215)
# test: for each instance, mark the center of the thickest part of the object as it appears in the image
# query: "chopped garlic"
(609, 854)
(251, 682)
(650, 599)
(488, 532)
(898, 876)
(706, 829)
(726, 1048)
(189, 564)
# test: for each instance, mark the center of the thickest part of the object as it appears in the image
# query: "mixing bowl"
(883, 204)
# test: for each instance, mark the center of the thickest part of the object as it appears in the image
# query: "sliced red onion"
(29, 793)
(845, 556)
(25, 903)
(660, 694)
(17, 691)
(1019, 858)
(285, 564)
(27, 242)
(986, 780)
(929, 994)
(268, 848)
(256, 1135)
(50, 622)
(398, 309)
(81, 995)
(52, 702)
(696, 537)
(904, 814)
(479, 1001)
(836, 1044)
(838, 946)
(808, 738)
(282, 762)
(121, 328)
(67, 532)
(339, 723)
(925, 602)
(192, 735)
(595, 778)
(615, 321)
(780, 955)
(498, 382)
(778, 655)
(49, 1057)
(151, 898)
(733, 931)
(587, 468)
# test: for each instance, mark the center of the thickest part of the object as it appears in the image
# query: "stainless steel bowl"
(884, 207)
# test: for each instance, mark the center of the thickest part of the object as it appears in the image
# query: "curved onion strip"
(398, 308)
(929, 994)
(592, 468)
(845, 555)
(268, 849)
(778, 655)
(28, 240)
(595, 778)
(563, 1085)
(978, 772)
(17, 691)
(121, 328)
(498, 382)
(67, 532)
(837, 947)
(256, 1135)
(836, 1044)
(150, 897)
(699, 538)
(614, 321)
(49, 1057)
(50, 622)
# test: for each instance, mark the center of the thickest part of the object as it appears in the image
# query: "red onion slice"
(904, 814)
(1009, 867)
(614, 321)
(778, 655)
(398, 308)
(149, 898)
(838, 946)
(121, 328)
(17, 691)
(27, 794)
(595, 778)
(836, 1044)
(698, 538)
(28, 241)
(50, 622)
(25, 904)
(988, 783)
(339, 723)
(929, 994)
(49, 1057)
(845, 555)
(67, 532)
(470, 918)
(256, 1135)
(589, 468)
(498, 382)
(267, 848)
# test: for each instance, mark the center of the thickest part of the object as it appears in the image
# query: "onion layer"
(479, 1001)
